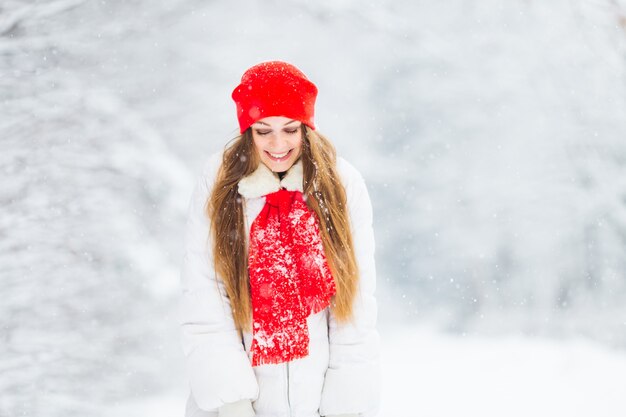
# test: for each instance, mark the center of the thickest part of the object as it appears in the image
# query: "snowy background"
(492, 136)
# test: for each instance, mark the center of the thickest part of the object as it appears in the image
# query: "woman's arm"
(352, 380)
(218, 368)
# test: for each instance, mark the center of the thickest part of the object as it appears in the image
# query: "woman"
(278, 311)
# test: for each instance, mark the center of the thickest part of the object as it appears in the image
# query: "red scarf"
(289, 277)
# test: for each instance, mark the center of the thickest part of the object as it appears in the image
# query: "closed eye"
(288, 131)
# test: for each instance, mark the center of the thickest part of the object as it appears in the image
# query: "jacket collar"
(263, 181)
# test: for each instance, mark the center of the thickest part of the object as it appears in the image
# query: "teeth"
(278, 155)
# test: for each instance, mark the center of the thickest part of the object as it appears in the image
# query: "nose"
(279, 141)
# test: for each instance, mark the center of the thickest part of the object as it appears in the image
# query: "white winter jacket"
(341, 373)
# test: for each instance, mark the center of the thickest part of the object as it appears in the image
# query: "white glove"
(241, 408)
(343, 415)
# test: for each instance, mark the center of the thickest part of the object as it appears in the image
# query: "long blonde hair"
(324, 194)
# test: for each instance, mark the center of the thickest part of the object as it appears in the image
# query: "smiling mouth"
(279, 157)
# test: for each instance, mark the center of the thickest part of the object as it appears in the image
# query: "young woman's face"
(278, 140)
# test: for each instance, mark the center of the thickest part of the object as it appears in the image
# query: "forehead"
(277, 121)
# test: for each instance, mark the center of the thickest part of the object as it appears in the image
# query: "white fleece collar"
(263, 181)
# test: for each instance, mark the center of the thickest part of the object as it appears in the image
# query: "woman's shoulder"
(209, 168)
(354, 184)
(349, 173)
(212, 163)
(357, 195)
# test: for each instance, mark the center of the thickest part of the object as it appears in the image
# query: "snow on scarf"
(289, 277)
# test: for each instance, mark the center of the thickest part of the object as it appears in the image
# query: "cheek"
(255, 141)
(296, 143)
(258, 146)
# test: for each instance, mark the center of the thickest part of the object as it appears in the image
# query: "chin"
(279, 167)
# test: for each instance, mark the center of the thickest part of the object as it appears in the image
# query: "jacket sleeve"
(218, 368)
(351, 385)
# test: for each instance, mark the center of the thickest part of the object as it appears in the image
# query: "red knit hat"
(274, 88)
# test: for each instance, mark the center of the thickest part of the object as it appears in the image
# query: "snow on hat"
(274, 88)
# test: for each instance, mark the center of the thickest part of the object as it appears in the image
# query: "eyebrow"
(263, 123)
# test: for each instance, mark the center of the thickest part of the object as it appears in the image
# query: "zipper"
(288, 393)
